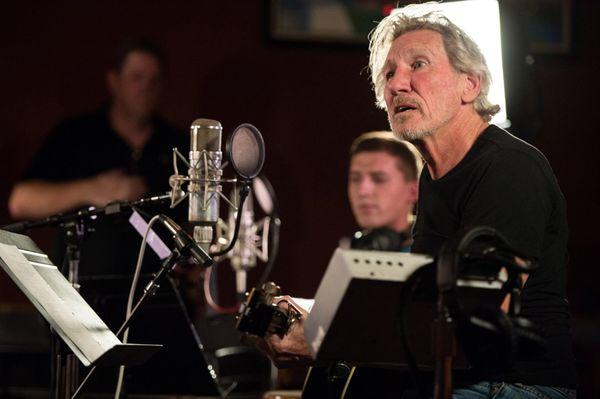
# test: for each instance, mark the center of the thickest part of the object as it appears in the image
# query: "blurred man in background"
(122, 151)
(382, 189)
(119, 152)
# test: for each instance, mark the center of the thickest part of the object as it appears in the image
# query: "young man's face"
(422, 91)
(136, 86)
(380, 195)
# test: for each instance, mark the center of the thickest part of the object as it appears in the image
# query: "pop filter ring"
(233, 151)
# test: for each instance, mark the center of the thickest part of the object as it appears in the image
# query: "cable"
(209, 298)
(272, 211)
(243, 194)
(134, 284)
(274, 246)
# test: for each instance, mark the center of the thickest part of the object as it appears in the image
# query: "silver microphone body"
(243, 255)
(205, 174)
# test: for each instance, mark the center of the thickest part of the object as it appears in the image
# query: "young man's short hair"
(384, 141)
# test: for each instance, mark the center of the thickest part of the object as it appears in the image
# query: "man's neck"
(445, 148)
(402, 225)
(134, 131)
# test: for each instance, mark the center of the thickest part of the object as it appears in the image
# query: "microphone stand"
(185, 246)
(60, 219)
(445, 347)
(167, 266)
(65, 366)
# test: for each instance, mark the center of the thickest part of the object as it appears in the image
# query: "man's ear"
(111, 81)
(472, 87)
(414, 191)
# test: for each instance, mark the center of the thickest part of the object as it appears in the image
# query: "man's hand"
(39, 198)
(115, 185)
(292, 348)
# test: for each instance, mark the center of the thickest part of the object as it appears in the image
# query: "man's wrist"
(84, 191)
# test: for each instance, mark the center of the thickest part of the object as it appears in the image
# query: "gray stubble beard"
(408, 135)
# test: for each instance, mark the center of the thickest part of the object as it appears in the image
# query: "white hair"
(463, 53)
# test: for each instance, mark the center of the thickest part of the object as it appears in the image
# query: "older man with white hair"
(432, 80)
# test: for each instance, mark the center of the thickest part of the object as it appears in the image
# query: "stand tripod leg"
(65, 372)
(66, 378)
(445, 351)
(191, 327)
(72, 374)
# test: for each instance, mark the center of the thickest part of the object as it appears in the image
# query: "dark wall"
(309, 101)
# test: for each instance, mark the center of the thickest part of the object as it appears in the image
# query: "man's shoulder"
(167, 133)
(516, 163)
(507, 149)
(74, 125)
(164, 125)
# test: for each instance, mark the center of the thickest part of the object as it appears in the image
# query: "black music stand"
(69, 316)
(354, 317)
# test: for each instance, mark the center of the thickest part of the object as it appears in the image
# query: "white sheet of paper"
(304, 303)
(60, 304)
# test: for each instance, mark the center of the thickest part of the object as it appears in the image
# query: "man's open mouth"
(403, 108)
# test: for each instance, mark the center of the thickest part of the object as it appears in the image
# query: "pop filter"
(265, 195)
(246, 151)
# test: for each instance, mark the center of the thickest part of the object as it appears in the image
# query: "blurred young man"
(382, 189)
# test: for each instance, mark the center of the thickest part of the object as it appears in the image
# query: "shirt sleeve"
(513, 197)
(51, 162)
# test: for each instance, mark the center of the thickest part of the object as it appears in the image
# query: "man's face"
(136, 86)
(422, 91)
(379, 194)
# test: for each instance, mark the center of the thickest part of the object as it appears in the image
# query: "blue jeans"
(502, 390)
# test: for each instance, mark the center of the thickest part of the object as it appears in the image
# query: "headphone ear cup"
(488, 340)
(381, 239)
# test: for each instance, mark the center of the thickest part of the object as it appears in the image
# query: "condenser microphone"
(243, 255)
(205, 174)
(254, 235)
(245, 150)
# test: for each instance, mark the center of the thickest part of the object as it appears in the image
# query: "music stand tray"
(68, 314)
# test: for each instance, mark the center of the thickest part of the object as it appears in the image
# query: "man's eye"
(418, 64)
(136, 77)
(389, 75)
(379, 179)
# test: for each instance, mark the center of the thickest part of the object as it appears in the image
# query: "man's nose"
(365, 187)
(149, 84)
(399, 82)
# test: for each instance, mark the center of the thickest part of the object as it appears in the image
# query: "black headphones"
(490, 338)
(381, 239)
